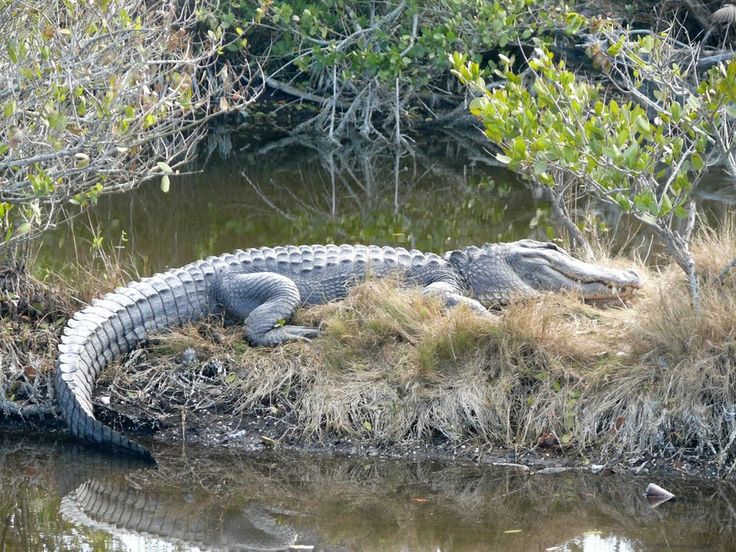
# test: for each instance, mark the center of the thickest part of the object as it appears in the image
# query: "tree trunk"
(556, 197)
(679, 249)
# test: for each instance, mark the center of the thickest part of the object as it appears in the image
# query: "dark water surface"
(444, 194)
(441, 196)
(60, 496)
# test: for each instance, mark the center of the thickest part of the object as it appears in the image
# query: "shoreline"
(259, 436)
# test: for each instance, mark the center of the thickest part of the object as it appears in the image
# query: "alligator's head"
(504, 272)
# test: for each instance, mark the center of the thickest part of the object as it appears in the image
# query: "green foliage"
(642, 146)
(560, 126)
(363, 51)
(382, 40)
(92, 95)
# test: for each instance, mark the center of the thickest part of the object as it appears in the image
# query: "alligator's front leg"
(266, 301)
(452, 296)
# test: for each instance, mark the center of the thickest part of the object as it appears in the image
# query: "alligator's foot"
(279, 335)
(451, 298)
(475, 306)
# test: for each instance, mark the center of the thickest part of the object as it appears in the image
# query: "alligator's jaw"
(591, 282)
(503, 273)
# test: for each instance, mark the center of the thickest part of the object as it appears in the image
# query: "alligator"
(263, 287)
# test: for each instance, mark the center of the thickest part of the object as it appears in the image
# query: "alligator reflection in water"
(122, 497)
(113, 506)
(60, 498)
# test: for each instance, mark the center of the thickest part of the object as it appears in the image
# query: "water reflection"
(440, 196)
(114, 506)
(59, 497)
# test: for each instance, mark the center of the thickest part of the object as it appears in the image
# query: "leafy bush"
(367, 62)
(98, 97)
(642, 153)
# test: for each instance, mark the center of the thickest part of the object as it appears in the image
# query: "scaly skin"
(263, 287)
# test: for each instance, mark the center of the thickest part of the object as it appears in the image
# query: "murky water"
(443, 194)
(438, 197)
(57, 496)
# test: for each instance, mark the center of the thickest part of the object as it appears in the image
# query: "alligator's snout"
(609, 283)
(544, 267)
(635, 281)
(631, 280)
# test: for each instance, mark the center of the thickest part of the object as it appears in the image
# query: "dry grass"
(32, 315)
(676, 387)
(639, 378)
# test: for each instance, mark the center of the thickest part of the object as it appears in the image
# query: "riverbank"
(647, 385)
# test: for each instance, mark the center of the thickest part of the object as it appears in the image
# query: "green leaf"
(12, 51)
(164, 168)
(676, 110)
(697, 162)
(623, 201)
(666, 206)
(165, 184)
(631, 155)
(519, 147)
(546, 179)
(615, 48)
(368, 425)
(505, 159)
(642, 125)
(9, 109)
(477, 105)
(23, 229)
(681, 183)
(540, 166)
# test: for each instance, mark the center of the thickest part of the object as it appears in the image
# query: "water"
(60, 496)
(444, 194)
(440, 197)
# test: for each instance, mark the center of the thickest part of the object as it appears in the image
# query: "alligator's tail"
(114, 325)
